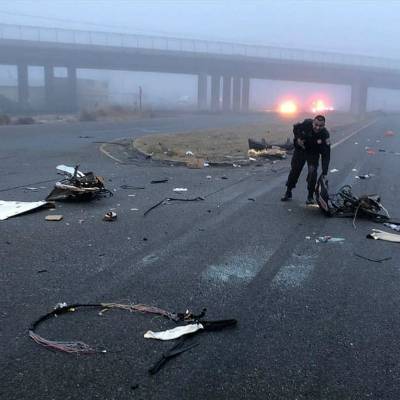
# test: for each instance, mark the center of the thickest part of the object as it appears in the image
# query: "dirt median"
(229, 144)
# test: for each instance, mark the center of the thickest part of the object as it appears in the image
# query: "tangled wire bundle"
(81, 347)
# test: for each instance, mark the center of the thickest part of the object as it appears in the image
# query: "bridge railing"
(96, 38)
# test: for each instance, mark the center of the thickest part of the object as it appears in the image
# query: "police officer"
(311, 140)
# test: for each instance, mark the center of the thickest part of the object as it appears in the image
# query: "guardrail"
(96, 38)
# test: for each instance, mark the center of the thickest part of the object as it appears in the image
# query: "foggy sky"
(347, 26)
(351, 26)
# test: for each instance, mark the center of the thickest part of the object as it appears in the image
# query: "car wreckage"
(77, 185)
(345, 204)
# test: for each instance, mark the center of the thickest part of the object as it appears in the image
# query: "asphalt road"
(314, 320)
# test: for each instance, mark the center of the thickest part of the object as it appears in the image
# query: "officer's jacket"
(314, 143)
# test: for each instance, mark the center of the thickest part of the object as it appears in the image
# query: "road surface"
(314, 320)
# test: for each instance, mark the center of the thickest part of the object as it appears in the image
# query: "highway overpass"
(232, 64)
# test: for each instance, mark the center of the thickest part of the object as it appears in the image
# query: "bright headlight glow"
(288, 107)
(319, 105)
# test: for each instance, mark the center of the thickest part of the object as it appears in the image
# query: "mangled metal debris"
(12, 208)
(263, 145)
(262, 149)
(257, 145)
(345, 204)
(77, 185)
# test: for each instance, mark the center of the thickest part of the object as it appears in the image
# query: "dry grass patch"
(224, 144)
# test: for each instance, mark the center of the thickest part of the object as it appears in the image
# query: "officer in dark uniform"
(311, 140)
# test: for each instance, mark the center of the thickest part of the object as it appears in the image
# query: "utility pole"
(140, 99)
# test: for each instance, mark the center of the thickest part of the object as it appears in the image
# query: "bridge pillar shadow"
(23, 86)
(359, 96)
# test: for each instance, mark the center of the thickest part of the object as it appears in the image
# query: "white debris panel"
(11, 208)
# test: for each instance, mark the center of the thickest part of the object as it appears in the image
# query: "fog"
(368, 28)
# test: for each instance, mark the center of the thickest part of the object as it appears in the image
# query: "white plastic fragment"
(68, 170)
(333, 170)
(60, 305)
(326, 239)
(11, 208)
(174, 333)
(180, 189)
(382, 235)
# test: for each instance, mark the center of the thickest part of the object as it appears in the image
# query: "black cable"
(370, 259)
(170, 199)
(24, 186)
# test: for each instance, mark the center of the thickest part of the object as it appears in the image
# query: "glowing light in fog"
(319, 105)
(288, 107)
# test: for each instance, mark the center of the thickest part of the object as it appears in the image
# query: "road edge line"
(354, 133)
(106, 153)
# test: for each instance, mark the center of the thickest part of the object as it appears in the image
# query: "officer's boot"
(287, 196)
(310, 197)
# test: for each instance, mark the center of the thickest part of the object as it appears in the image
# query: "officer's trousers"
(299, 158)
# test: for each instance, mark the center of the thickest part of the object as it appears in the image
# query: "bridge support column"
(49, 87)
(245, 94)
(23, 86)
(202, 92)
(236, 95)
(72, 101)
(215, 92)
(226, 93)
(359, 94)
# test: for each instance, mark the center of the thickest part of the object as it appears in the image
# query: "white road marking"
(150, 259)
(238, 268)
(295, 273)
(353, 133)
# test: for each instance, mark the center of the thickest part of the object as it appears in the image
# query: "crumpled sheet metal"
(377, 234)
(77, 185)
(174, 333)
(12, 208)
